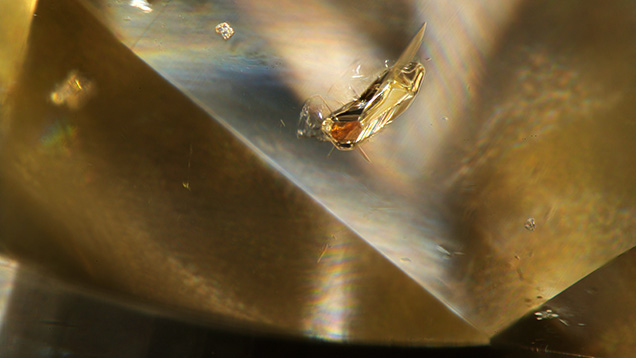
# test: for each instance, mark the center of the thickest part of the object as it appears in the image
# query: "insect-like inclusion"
(385, 99)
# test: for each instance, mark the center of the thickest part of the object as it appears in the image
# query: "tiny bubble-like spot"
(546, 314)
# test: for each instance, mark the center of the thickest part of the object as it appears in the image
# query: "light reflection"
(73, 91)
(15, 22)
(535, 159)
(318, 61)
(142, 5)
(549, 92)
(331, 306)
(8, 270)
(59, 137)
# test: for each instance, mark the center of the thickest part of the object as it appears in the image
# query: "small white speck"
(530, 224)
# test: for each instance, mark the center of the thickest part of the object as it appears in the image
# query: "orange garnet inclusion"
(346, 131)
